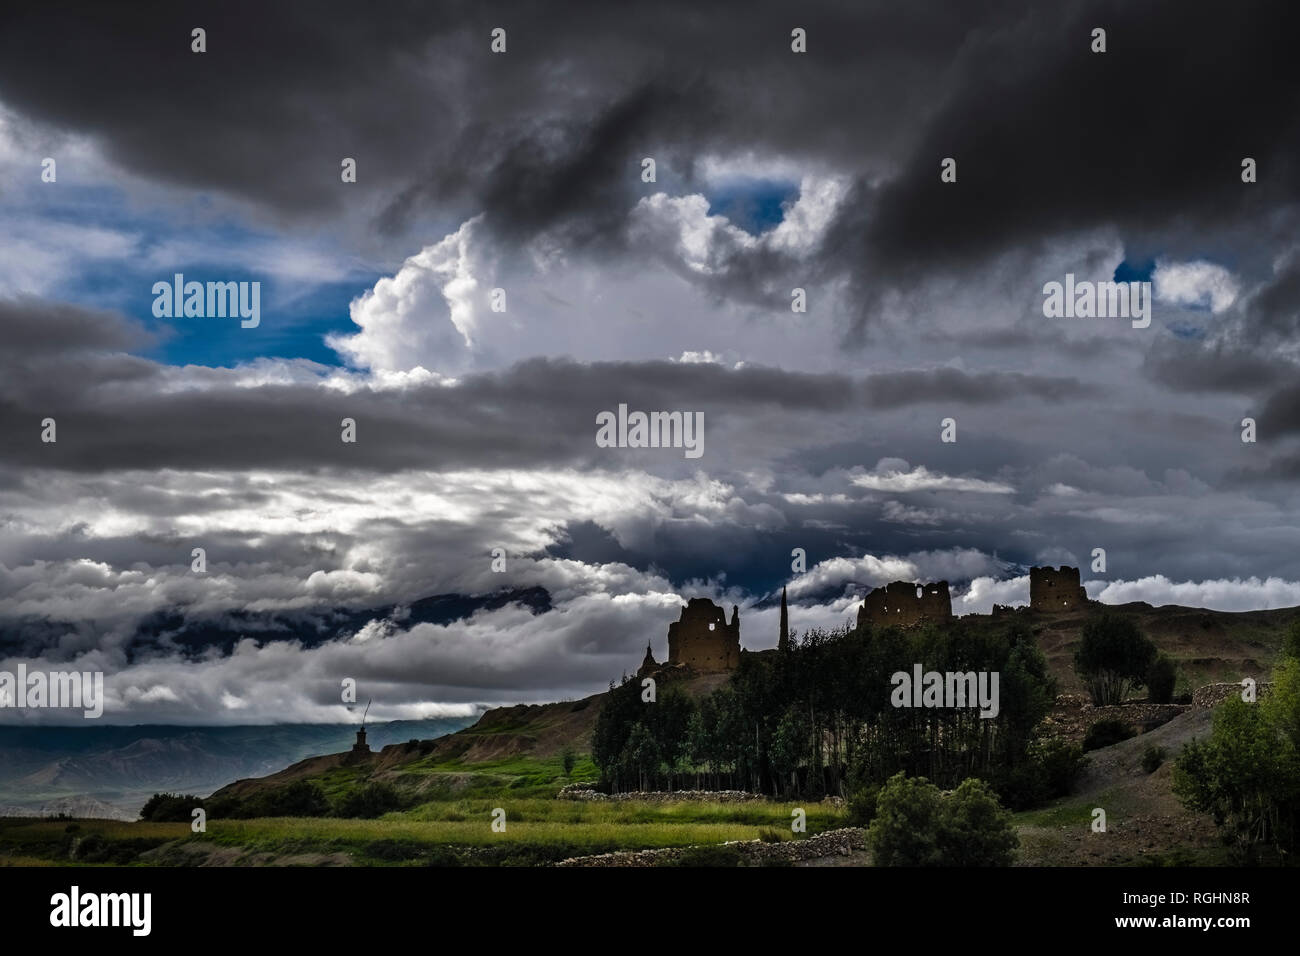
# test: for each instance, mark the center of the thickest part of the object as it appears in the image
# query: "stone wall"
(585, 792)
(1211, 695)
(1072, 714)
(904, 604)
(753, 852)
(702, 638)
(1053, 589)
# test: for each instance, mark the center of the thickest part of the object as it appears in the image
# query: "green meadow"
(450, 823)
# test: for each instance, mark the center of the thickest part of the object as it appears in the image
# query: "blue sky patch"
(754, 205)
(1136, 271)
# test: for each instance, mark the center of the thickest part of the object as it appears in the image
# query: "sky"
(476, 427)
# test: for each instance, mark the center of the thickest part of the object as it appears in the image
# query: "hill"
(43, 768)
(1208, 646)
(520, 745)
(504, 745)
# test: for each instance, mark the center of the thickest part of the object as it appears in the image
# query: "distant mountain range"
(111, 771)
(176, 632)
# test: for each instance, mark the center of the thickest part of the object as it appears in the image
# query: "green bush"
(299, 799)
(1152, 758)
(372, 800)
(768, 835)
(1291, 643)
(721, 855)
(861, 806)
(225, 808)
(917, 825)
(1103, 733)
(392, 851)
(1023, 786)
(1062, 764)
(443, 855)
(170, 808)
(1178, 857)
(1053, 768)
(95, 848)
(975, 830)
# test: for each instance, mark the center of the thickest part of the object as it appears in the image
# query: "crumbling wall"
(842, 842)
(904, 604)
(1211, 695)
(1053, 589)
(703, 639)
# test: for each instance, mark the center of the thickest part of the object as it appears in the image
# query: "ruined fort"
(1056, 589)
(907, 604)
(705, 642)
(903, 604)
(701, 639)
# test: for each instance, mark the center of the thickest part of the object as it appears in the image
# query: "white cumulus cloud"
(1196, 284)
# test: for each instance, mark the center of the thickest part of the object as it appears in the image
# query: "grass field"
(521, 777)
(537, 830)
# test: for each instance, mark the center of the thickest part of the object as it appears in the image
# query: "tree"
(1161, 679)
(1291, 643)
(905, 831)
(569, 760)
(804, 721)
(1113, 656)
(170, 808)
(668, 721)
(975, 830)
(789, 748)
(641, 755)
(1247, 774)
(917, 825)
(620, 712)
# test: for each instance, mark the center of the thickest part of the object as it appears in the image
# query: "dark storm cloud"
(1052, 138)
(266, 114)
(575, 173)
(1273, 314)
(1195, 367)
(121, 412)
(546, 134)
(1281, 469)
(33, 328)
(893, 389)
(1281, 413)
(1049, 137)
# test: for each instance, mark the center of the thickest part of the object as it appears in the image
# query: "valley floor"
(1145, 824)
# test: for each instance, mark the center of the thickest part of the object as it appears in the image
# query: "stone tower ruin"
(703, 640)
(905, 604)
(1056, 589)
